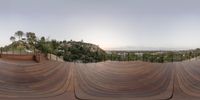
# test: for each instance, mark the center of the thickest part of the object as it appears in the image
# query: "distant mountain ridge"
(141, 48)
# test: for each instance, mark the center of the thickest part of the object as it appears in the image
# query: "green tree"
(54, 45)
(31, 39)
(19, 34)
(12, 38)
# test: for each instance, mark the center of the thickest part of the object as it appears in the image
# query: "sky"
(111, 24)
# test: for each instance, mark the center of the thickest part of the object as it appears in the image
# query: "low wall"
(17, 56)
(38, 57)
(54, 57)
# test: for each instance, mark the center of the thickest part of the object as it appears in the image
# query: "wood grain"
(52, 80)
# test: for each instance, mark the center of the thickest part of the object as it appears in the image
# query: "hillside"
(82, 52)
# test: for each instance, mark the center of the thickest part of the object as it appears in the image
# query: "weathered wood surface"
(36, 81)
(52, 80)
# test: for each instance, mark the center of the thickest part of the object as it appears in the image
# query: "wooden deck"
(52, 80)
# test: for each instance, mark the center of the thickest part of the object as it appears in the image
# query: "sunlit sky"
(111, 24)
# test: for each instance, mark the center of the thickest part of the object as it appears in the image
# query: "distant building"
(139, 54)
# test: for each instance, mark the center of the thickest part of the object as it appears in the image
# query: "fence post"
(34, 50)
(39, 57)
(1, 52)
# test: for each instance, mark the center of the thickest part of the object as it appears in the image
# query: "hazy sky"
(124, 24)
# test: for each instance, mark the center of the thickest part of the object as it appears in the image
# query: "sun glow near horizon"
(112, 24)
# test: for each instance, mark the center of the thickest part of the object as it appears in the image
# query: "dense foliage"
(79, 51)
(83, 52)
(72, 50)
(68, 50)
(154, 56)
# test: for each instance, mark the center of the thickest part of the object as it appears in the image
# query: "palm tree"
(19, 34)
(12, 38)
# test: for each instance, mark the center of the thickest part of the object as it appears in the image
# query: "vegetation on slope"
(85, 52)
(154, 56)
(79, 51)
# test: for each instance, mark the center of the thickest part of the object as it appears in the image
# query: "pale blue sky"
(119, 24)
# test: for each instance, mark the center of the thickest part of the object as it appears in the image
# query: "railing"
(22, 55)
